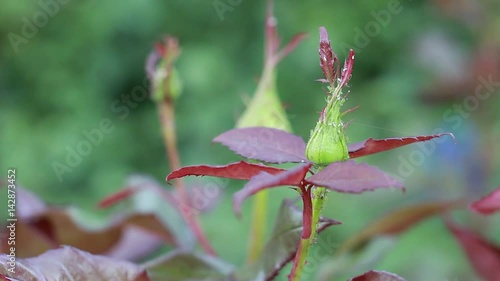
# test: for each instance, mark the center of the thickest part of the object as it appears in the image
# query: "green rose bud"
(166, 85)
(265, 109)
(162, 75)
(328, 142)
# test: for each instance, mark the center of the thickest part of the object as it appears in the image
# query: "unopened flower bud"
(163, 76)
(328, 142)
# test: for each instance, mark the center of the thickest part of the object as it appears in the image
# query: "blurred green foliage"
(80, 64)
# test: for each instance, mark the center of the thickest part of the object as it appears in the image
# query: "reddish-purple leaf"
(197, 201)
(68, 263)
(140, 188)
(352, 177)
(488, 204)
(371, 146)
(40, 227)
(484, 256)
(264, 180)
(240, 170)
(395, 222)
(117, 197)
(377, 275)
(264, 144)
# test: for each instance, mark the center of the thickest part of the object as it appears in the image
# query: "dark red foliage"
(241, 170)
(489, 204)
(483, 255)
(117, 197)
(372, 146)
(68, 263)
(293, 177)
(264, 144)
(277, 146)
(40, 227)
(376, 275)
(352, 177)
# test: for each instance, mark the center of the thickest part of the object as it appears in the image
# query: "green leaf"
(265, 108)
(182, 266)
(363, 250)
(348, 265)
(280, 249)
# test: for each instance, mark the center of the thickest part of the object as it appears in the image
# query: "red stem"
(306, 212)
(305, 242)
